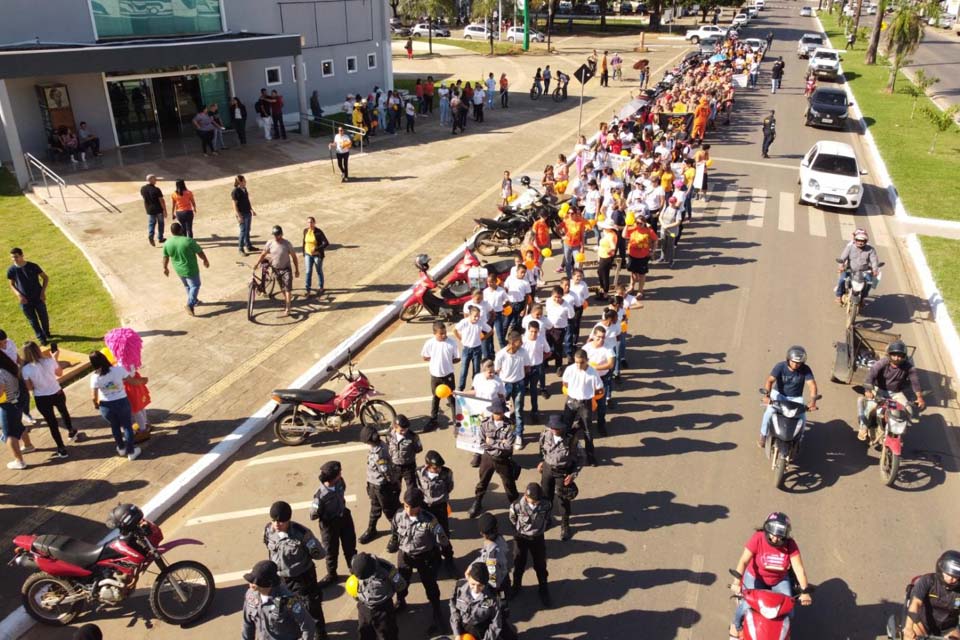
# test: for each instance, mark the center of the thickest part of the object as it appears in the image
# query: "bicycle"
(536, 91)
(265, 285)
(617, 72)
(559, 94)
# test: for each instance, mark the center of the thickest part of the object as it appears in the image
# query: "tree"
(484, 9)
(433, 9)
(943, 121)
(918, 88)
(903, 38)
(871, 56)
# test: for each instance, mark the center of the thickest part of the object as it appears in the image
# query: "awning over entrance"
(43, 59)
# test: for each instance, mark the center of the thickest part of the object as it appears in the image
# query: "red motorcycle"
(447, 301)
(461, 271)
(72, 574)
(885, 430)
(312, 411)
(768, 612)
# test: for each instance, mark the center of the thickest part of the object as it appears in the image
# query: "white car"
(515, 34)
(825, 63)
(752, 12)
(806, 12)
(478, 31)
(830, 176)
(740, 20)
(707, 30)
(755, 44)
(422, 30)
(809, 42)
(565, 6)
(758, 4)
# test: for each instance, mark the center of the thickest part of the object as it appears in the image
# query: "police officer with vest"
(436, 482)
(378, 582)
(271, 611)
(383, 486)
(336, 522)
(561, 462)
(404, 445)
(530, 516)
(476, 609)
(293, 548)
(495, 554)
(497, 436)
(933, 602)
(769, 133)
(421, 538)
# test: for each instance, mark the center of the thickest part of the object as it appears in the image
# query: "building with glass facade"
(137, 71)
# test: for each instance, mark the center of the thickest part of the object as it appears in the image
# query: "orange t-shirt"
(640, 241)
(573, 229)
(183, 202)
(541, 233)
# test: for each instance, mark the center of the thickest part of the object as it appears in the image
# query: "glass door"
(134, 111)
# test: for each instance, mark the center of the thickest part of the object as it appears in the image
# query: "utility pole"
(526, 23)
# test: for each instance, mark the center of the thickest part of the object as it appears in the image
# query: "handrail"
(45, 172)
(334, 124)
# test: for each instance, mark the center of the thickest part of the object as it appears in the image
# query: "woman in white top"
(40, 374)
(110, 398)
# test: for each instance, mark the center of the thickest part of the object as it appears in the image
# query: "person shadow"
(835, 613)
(639, 512)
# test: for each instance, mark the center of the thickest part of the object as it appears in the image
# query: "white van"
(758, 4)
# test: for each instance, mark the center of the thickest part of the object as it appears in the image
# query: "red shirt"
(769, 563)
(640, 241)
(541, 233)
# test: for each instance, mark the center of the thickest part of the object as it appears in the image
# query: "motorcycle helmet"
(897, 347)
(277, 230)
(949, 563)
(796, 353)
(777, 524)
(860, 234)
(525, 181)
(124, 517)
(423, 262)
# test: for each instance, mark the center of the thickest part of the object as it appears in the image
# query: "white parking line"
(786, 211)
(224, 578)
(313, 453)
(419, 336)
(248, 513)
(758, 202)
(398, 367)
(818, 224)
(759, 163)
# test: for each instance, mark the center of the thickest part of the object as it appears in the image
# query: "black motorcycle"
(785, 436)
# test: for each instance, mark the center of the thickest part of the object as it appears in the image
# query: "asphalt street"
(939, 55)
(681, 484)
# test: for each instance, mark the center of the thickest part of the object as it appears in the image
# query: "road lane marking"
(398, 367)
(313, 453)
(419, 336)
(818, 224)
(878, 228)
(758, 203)
(403, 401)
(248, 513)
(785, 222)
(692, 597)
(725, 211)
(847, 226)
(741, 318)
(759, 163)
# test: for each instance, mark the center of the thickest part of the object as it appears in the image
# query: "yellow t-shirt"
(688, 175)
(608, 245)
(666, 181)
(309, 243)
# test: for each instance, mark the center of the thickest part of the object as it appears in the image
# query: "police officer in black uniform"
(436, 482)
(271, 611)
(476, 609)
(378, 582)
(933, 603)
(336, 522)
(769, 133)
(561, 462)
(421, 538)
(495, 553)
(530, 516)
(404, 445)
(383, 486)
(497, 435)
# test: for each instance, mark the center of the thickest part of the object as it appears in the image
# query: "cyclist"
(279, 254)
(888, 378)
(616, 63)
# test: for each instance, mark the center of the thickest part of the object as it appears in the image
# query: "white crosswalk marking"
(726, 210)
(847, 225)
(878, 227)
(758, 203)
(785, 222)
(818, 225)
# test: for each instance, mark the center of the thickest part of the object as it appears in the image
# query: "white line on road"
(818, 225)
(759, 163)
(419, 336)
(878, 229)
(741, 318)
(725, 211)
(313, 453)
(847, 226)
(398, 367)
(758, 202)
(786, 211)
(692, 598)
(248, 513)
(402, 401)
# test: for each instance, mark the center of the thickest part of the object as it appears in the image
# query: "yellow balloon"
(625, 153)
(443, 391)
(601, 218)
(631, 219)
(565, 207)
(562, 214)
(623, 326)
(564, 389)
(710, 162)
(507, 310)
(352, 586)
(546, 252)
(580, 257)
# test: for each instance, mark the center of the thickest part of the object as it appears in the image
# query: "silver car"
(809, 42)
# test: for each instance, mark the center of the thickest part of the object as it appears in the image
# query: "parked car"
(707, 46)
(592, 7)
(476, 31)
(806, 12)
(827, 107)
(809, 42)
(755, 44)
(870, 9)
(825, 63)
(705, 31)
(830, 175)
(565, 6)
(944, 22)
(740, 20)
(400, 31)
(752, 12)
(515, 34)
(759, 4)
(422, 30)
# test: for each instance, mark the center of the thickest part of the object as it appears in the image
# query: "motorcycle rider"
(888, 378)
(765, 563)
(561, 462)
(292, 547)
(378, 582)
(404, 445)
(498, 436)
(421, 538)
(528, 197)
(856, 257)
(790, 377)
(271, 611)
(436, 482)
(933, 605)
(383, 487)
(336, 522)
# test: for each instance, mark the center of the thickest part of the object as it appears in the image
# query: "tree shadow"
(682, 422)
(82, 491)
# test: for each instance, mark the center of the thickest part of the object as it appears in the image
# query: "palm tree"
(943, 121)
(903, 38)
(871, 56)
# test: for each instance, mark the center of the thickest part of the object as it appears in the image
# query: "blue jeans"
(621, 352)
(155, 222)
(11, 421)
(244, 241)
(768, 414)
(192, 285)
(533, 382)
(751, 582)
(314, 262)
(36, 313)
(516, 390)
(500, 326)
(471, 355)
(117, 413)
(568, 261)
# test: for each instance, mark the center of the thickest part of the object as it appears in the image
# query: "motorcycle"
(72, 575)
(505, 232)
(855, 285)
(885, 428)
(783, 441)
(895, 629)
(446, 301)
(461, 270)
(768, 613)
(313, 411)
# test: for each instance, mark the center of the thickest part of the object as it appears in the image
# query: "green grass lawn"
(503, 48)
(927, 182)
(81, 310)
(942, 255)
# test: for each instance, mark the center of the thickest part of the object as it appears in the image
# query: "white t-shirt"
(110, 387)
(536, 349)
(591, 202)
(558, 314)
(509, 366)
(517, 288)
(581, 385)
(581, 290)
(543, 321)
(483, 305)
(495, 298)
(470, 332)
(598, 356)
(442, 354)
(43, 376)
(488, 388)
(342, 143)
(611, 337)
(10, 348)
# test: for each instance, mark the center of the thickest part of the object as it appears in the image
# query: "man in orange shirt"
(640, 241)
(574, 227)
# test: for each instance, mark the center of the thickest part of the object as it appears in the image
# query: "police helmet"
(777, 524)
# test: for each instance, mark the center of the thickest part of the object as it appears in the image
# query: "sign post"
(522, 4)
(583, 74)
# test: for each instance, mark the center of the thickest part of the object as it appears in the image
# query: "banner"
(675, 121)
(740, 80)
(470, 411)
(699, 175)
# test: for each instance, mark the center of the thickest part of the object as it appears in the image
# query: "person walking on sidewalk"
(184, 207)
(28, 282)
(336, 522)
(547, 76)
(504, 90)
(40, 374)
(155, 207)
(315, 244)
(769, 133)
(342, 143)
(276, 114)
(441, 353)
(244, 212)
(110, 399)
(491, 90)
(776, 74)
(281, 256)
(184, 251)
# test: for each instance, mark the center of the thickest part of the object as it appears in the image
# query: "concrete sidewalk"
(411, 193)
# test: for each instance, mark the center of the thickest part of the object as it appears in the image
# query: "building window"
(155, 18)
(351, 64)
(273, 76)
(371, 61)
(326, 68)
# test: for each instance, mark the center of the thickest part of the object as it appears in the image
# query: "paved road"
(939, 55)
(681, 484)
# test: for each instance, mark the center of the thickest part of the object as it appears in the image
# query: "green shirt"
(183, 251)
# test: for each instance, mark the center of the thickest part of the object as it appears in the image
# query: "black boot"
(514, 589)
(476, 508)
(475, 460)
(565, 533)
(545, 597)
(394, 543)
(401, 603)
(369, 535)
(330, 578)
